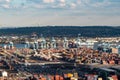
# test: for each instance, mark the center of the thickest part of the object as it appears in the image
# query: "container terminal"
(60, 59)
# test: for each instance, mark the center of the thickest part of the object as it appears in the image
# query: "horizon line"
(5, 27)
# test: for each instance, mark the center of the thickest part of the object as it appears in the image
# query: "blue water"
(16, 45)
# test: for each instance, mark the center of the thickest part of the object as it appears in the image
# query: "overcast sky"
(59, 12)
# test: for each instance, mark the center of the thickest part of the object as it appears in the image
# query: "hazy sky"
(59, 12)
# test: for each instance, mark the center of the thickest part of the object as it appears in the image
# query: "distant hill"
(72, 31)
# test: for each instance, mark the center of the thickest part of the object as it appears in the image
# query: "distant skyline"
(18, 13)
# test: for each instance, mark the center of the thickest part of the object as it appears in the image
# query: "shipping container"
(43, 79)
(61, 78)
(73, 78)
(57, 77)
(69, 75)
(75, 75)
(100, 79)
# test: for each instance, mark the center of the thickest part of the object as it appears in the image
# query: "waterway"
(16, 45)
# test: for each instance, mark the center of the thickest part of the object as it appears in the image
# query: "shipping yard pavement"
(45, 68)
(58, 68)
(66, 66)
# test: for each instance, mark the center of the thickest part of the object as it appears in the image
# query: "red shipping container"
(57, 77)
(61, 78)
(115, 77)
(52, 77)
(43, 79)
